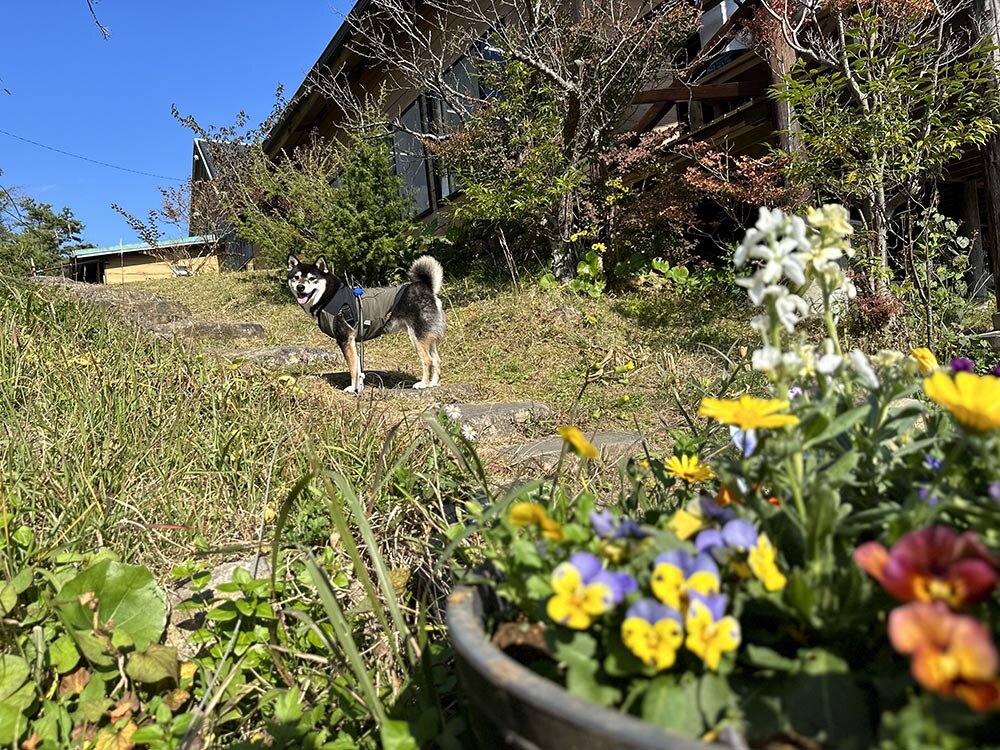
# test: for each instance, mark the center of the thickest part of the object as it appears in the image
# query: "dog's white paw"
(420, 385)
(354, 389)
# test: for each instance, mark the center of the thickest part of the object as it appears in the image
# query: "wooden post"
(780, 59)
(974, 230)
(988, 12)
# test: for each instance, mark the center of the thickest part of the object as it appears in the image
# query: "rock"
(280, 356)
(502, 417)
(613, 446)
(209, 329)
(182, 622)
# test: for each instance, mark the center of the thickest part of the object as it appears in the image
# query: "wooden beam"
(988, 12)
(706, 92)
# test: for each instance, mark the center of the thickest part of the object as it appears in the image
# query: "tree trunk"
(780, 59)
(974, 229)
(563, 253)
(988, 12)
(880, 229)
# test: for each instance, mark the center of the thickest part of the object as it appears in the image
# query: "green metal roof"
(140, 247)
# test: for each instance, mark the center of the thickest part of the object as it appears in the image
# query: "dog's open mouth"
(303, 298)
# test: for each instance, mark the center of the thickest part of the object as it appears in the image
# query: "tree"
(577, 63)
(180, 210)
(888, 93)
(338, 198)
(34, 236)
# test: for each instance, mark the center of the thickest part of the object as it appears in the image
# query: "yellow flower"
(688, 468)
(927, 361)
(747, 412)
(653, 632)
(269, 514)
(576, 602)
(685, 525)
(677, 576)
(533, 514)
(709, 634)
(974, 400)
(763, 564)
(577, 442)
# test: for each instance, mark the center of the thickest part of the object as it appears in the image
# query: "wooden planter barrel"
(513, 708)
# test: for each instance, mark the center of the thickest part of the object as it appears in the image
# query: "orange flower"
(952, 654)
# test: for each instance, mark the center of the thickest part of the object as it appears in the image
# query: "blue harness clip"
(358, 291)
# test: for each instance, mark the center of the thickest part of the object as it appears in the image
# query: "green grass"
(527, 344)
(109, 438)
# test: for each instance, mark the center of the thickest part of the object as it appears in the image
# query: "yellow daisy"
(927, 361)
(577, 441)
(688, 468)
(533, 514)
(747, 412)
(974, 400)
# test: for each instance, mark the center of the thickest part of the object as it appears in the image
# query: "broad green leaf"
(840, 425)
(63, 654)
(128, 602)
(14, 673)
(578, 653)
(765, 658)
(673, 705)
(714, 698)
(395, 735)
(828, 706)
(8, 597)
(12, 724)
(155, 664)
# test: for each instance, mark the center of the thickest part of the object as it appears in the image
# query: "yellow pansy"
(710, 632)
(533, 514)
(653, 632)
(685, 525)
(762, 560)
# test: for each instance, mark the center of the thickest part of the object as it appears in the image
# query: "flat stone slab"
(502, 416)
(210, 329)
(613, 446)
(282, 356)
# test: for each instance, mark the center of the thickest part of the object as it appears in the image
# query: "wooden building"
(119, 264)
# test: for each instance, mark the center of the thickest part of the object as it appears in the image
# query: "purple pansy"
(607, 526)
(713, 511)
(653, 611)
(744, 440)
(592, 571)
(927, 498)
(708, 540)
(794, 392)
(963, 364)
(994, 492)
(740, 535)
(933, 462)
(996, 371)
(689, 564)
(714, 603)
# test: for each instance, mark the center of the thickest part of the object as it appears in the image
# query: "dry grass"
(632, 350)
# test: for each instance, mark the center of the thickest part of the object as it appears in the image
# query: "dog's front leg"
(350, 349)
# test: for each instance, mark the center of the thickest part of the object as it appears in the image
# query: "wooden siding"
(142, 267)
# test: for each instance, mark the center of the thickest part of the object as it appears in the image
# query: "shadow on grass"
(688, 320)
(373, 379)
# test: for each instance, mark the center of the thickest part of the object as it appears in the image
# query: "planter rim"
(464, 619)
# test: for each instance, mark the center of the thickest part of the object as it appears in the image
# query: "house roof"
(339, 39)
(140, 247)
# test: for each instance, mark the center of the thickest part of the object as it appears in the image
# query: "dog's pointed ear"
(293, 261)
(322, 265)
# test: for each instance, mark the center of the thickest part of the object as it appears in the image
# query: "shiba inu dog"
(352, 315)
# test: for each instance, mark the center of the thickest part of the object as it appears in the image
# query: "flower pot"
(512, 707)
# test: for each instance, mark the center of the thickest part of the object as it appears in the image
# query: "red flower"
(933, 564)
(952, 654)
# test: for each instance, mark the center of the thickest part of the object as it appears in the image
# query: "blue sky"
(110, 100)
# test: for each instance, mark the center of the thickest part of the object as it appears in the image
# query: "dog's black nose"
(300, 288)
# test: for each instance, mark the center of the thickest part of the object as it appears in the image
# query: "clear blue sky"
(109, 100)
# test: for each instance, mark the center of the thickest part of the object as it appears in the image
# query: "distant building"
(118, 264)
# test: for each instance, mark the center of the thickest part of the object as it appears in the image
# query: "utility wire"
(92, 161)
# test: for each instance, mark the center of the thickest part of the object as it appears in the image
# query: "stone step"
(501, 417)
(207, 329)
(613, 447)
(274, 357)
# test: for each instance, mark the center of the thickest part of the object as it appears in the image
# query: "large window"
(410, 158)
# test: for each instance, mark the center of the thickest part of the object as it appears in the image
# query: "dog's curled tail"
(427, 271)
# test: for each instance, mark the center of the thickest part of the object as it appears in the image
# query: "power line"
(92, 161)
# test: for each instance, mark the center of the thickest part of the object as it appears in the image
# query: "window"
(450, 116)
(410, 158)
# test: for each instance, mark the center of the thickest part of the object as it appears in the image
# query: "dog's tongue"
(302, 300)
